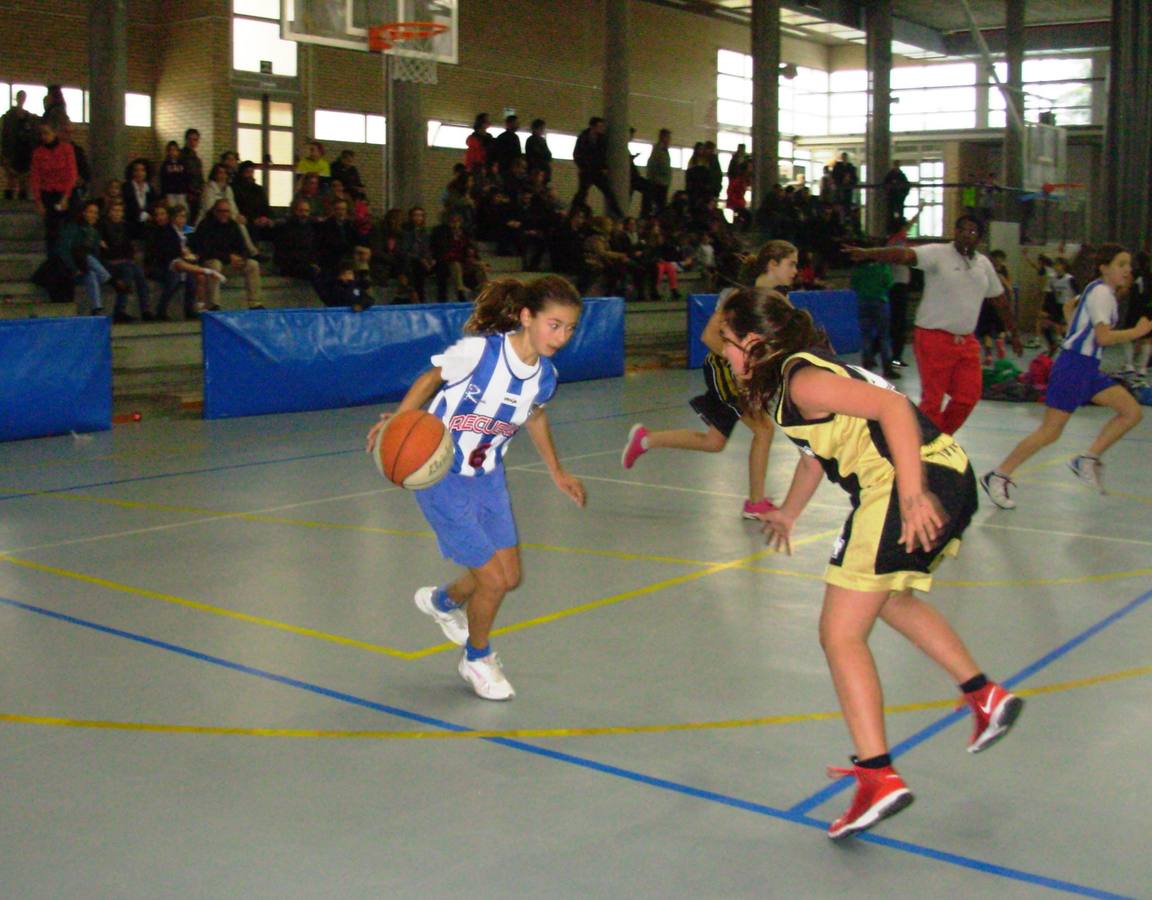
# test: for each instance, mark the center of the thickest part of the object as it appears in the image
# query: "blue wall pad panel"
(57, 376)
(292, 360)
(834, 311)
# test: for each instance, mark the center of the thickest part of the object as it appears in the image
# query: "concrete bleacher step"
(18, 266)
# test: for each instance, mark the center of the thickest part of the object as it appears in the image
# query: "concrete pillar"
(1014, 131)
(107, 77)
(407, 136)
(1127, 207)
(878, 150)
(765, 97)
(617, 62)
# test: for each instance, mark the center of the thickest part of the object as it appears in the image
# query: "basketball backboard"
(345, 23)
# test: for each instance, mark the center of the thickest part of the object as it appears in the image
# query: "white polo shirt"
(955, 288)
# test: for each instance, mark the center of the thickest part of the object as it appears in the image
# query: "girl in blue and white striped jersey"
(486, 386)
(1076, 379)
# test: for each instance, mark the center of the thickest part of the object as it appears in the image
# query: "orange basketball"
(414, 450)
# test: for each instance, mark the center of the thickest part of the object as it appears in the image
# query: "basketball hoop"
(418, 37)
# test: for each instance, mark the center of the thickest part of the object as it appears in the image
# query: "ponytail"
(497, 307)
(782, 330)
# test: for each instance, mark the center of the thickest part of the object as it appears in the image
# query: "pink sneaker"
(754, 510)
(635, 448)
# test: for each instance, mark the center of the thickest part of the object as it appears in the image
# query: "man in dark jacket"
(220, 245)
(537, 151)
(252, 200)
(591, 156)
(296, 243)
(338, 237)
(506, 148)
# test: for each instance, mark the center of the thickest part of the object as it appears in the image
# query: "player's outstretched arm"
(778, 523)
(422, 390)
(541, 434)
(817, 393)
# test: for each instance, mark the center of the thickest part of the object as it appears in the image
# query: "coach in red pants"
(957, 281)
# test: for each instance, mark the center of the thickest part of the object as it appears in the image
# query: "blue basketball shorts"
(472, 517)
(1074, 381)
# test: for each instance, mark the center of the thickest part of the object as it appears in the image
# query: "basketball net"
(415, 36)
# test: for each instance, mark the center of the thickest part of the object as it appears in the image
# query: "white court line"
(200, 521)
(529, 467)
(1071, 534)
(682, 489)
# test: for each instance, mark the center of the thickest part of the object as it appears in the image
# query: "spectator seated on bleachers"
(252, 201)
(347, 286)
(220, 244)
(602, 264)
(295, 243)
(344, 170)
(170, 261)
(384, 240)
(119, 257)
(338, 237)
(418, 258)
(138, 197)
(457, 260)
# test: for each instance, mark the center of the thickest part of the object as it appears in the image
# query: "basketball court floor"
(215, 683)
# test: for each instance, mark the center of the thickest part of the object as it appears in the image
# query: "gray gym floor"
(215, 683)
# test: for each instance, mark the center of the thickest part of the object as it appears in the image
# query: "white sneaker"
(1089, 470)
(486, 677)
(996, 487)
(453, 623)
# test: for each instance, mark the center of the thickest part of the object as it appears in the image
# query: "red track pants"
(949, 364)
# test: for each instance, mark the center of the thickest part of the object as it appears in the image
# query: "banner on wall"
(293, 360)
(57, 376)
(834, 311)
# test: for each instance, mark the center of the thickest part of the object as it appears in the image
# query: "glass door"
(264, 135)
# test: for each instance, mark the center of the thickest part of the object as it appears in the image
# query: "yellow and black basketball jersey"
(854, 451)
(719, 376)
(868, 555)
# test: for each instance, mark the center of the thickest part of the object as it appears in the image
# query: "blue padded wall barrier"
(834, 311)
(57, 376)
(291, 360)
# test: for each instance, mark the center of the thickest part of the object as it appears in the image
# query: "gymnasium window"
(256, 38)
(137, 107)
(1060, 85)
(348, 127)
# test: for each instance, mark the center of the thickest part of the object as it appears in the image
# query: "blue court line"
(269, 462)
(583, 762)
(825, 794)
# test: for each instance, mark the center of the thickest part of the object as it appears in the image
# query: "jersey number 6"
(476, 457)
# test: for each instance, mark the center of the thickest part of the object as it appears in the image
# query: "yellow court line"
(215, 610)
(210, 514)
(652, 588)
(604, 730)
(363, 645)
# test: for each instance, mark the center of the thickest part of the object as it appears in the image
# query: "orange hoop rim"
(384, 37)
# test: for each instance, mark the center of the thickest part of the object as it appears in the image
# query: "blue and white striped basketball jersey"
(489, 392)
(1097, 306)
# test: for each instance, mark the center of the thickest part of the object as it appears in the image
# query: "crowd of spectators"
(186, 222)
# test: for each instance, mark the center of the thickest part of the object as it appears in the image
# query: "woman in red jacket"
(51, 179)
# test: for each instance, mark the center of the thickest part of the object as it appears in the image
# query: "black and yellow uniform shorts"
(719, 405)
(868, 555)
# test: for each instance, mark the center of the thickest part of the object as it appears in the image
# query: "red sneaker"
(635, 448)
(994, 710)
(880, 793)
(753, 510)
